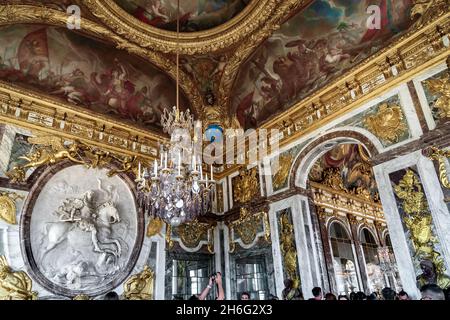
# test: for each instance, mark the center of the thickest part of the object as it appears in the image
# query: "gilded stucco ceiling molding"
(16, 14)
(283, 9)
(254, 17)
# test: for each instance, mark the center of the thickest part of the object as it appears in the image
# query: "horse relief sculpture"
(83, 240)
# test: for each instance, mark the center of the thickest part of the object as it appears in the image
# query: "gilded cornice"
(16, 14)
(253, 18)
(43, 113)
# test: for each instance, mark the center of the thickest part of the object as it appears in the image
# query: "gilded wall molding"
(16, 14)
(254, 17)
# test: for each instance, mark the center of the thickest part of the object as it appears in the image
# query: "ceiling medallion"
(249, 20)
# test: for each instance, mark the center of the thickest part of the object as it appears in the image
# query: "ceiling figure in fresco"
(351, 165)
(312, 48)
(195, 15)
(85, 72)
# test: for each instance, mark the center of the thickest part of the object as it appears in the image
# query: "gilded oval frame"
(249, 20)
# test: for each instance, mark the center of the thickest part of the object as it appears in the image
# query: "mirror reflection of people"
(317, 294)
(402, 295)
(245, 296)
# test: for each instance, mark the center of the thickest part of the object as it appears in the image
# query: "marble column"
(439, 211)
(359, 253)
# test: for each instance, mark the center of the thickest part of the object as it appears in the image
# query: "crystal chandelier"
(175, 189)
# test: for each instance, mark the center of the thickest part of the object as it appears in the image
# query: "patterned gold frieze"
(40, 113)
(338, 200)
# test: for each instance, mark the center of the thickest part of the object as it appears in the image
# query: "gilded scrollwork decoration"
(14, 285)
(440, 156)
(50, 150)
(154, 227)
(140, 286)
(246, 187)
(288, 248)
(8, 206)
(418, 220)
(248, 227)
(282, 175)
(441, 88)
(388, 124)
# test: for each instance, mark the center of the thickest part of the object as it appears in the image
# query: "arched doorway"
(350, 215)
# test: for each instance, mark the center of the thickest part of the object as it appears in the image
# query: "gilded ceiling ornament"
(332, 178)
(428, 10)
(441, 88)
(169, 241)
(14, 285)
(219, 198)
(154, 227)
(8, 206)
(440, 155)
(288, 248)
(387, 124)
(140, 286)
(246, 187)
(282, 175)
(256, 14)
(418, 220)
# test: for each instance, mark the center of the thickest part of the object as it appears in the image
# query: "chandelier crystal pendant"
(175, 189)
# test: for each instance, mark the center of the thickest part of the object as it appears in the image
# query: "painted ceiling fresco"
(348, 163)
(311, 49)
(195, 15)
(85, 72)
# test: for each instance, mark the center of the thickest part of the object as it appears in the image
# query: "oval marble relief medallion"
(81, 232)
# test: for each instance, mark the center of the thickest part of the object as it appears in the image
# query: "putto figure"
(14, 285)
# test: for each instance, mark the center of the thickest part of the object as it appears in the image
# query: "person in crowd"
(372, 296)
(360, 296)
(447, 294)
(330, 296)
(388, 294)
(352, 296)
(291, 293)
(245, 296)
(217, 279)
(402, 295)
(112, 295)
(317, 294)
(273, 297)
(342, 297)
(432, 292)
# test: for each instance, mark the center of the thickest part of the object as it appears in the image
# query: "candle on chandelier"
(179, 163)
(155, 168)
(207, 180)
(165, 161)
(212, 173)
(201, 172)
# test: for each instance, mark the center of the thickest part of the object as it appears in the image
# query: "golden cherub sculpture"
(140, 286)
(14, 285)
